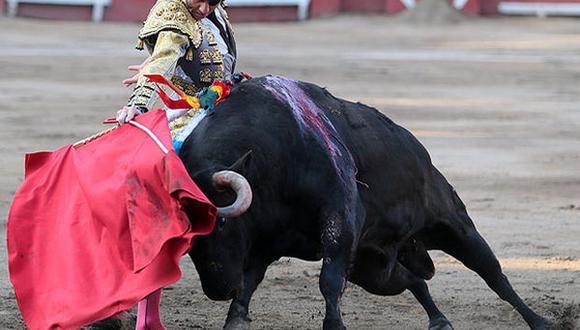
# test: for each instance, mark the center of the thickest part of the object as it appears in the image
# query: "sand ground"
(495, 101)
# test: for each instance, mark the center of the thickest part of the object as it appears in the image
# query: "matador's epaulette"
(170, 15)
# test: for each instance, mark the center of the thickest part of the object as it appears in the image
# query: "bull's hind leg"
(380, 274)
(471, 249)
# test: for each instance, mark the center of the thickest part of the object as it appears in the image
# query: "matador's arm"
(169, 48)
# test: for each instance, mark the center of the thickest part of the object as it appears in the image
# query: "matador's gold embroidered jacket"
(182, 49)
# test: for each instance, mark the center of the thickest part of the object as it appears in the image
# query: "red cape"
(96, 228)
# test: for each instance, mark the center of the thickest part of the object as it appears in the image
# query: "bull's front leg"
(338, 233)
(238, 318)
(332, 284)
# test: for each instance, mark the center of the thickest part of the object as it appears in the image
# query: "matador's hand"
(130, 81)
(127, 114)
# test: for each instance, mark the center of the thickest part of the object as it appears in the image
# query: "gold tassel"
(140, 44)
(189, 54)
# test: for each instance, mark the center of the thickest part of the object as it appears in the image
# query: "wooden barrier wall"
(136, 10)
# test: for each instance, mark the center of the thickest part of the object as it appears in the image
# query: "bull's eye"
(221, 222)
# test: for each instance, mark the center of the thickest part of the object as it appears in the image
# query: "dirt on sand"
(495, 101)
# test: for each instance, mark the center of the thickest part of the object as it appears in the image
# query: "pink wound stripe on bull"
(311, 119)
(306, 113)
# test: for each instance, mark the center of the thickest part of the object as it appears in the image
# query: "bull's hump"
(311, 119)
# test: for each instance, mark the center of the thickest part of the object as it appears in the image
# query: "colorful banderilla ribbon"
(216, 93)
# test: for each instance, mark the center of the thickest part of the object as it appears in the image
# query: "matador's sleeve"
(169, 48)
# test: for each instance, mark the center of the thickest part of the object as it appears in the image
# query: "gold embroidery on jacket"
(184, 85)
(189, 54)
(178, 124)
(216, 57)
(211, 40)
(205, 56)
(171, 15)
(220, 73)
(206, 76)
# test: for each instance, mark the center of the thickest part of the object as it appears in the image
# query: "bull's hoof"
(121, 321)
(237, 323)
(440, 323)
(333, 325)
(542, 324)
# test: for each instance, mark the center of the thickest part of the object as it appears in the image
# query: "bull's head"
(220, 257)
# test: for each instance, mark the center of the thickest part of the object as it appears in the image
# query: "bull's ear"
(241, 163)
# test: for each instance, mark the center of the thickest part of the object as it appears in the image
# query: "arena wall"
(136, 10)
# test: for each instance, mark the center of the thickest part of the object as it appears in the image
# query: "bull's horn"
(239, 184)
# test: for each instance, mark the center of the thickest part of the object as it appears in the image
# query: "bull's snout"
(218, 282)
(221, 293)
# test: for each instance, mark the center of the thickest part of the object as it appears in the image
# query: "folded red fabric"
(96, 228)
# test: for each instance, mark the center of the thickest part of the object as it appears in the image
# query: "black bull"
(331, 180)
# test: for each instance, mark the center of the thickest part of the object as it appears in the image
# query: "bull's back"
(386, 155)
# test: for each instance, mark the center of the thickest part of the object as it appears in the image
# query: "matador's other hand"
(127, 114)
(130, 81)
